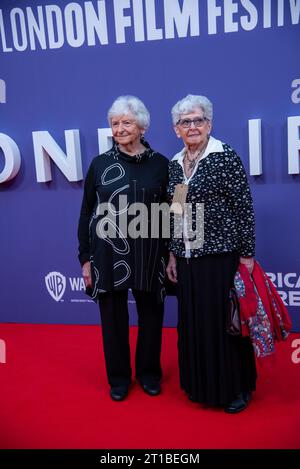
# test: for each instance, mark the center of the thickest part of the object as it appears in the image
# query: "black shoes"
(153, 389)
(247, 396)
(239, 404)
(118, 393)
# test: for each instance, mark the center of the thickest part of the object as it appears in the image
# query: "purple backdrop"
(60, 69)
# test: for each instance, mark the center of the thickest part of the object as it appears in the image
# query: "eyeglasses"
(198, 122)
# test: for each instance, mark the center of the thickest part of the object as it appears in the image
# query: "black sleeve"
(172, 241)
(88, 203)
(165, 179)
(241, 202)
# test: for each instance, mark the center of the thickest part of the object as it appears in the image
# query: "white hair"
(130, 105)
(189, 104)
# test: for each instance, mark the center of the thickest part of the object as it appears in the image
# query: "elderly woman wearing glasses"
(208, 177)
(117, 250)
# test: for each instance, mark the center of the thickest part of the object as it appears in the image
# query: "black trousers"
(214, 366)
(115, 333)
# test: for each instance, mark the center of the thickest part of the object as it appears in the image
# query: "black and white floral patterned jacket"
(220, 183)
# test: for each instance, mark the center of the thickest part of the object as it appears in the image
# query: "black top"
(117, 260)
(220, 183)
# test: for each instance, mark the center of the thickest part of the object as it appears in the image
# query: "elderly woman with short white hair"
(215, 368)
(117, 255)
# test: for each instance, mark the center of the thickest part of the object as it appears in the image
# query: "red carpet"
(53, 394)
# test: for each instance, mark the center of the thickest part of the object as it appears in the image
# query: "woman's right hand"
(172, 269)
(86, 273)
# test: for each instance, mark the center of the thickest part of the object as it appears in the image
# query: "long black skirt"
(214, 366)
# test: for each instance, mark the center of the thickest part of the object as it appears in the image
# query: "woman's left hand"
(86, 273)
(248, 262)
